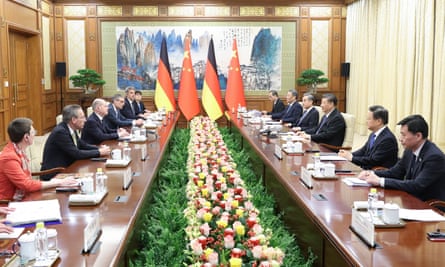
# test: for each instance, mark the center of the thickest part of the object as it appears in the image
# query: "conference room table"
(117, 219)
(320, 217)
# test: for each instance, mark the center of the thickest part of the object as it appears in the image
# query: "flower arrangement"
(224, 228)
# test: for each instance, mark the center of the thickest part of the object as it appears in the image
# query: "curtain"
(396, 50)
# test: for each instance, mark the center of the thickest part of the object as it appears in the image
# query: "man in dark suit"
(293, 111)
(63, 146)
(421, 170)
(332, 127)
(308, 122)
(130, 110)
(95, 130)
(381, 148)
(114, 119)
(277, 104)
(139, 103)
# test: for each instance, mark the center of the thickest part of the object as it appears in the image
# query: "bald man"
(95, 130)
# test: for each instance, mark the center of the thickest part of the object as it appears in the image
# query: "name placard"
(91, 234)
(306, 177)
(127, 179)
(363, 228)
(278, 152)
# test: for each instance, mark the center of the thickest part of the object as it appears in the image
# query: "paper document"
(34, 211)
(332, 158)
(354, 181)
(426, 215)
(17, 232)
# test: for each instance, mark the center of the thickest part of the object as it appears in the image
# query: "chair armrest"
(438, 204)
(335, 148)
(53, 170)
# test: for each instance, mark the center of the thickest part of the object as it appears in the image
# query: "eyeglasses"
(33, 132)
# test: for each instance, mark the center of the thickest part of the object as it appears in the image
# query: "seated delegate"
(420, 171)
(277, 105)
(308, 122)
(114, 119)
(381, 149)
(292, 112)
(95, 131)
(332, 127)
(64, 146)
(15, 173)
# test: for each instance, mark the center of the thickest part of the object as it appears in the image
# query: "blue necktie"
(305, 112)
(371, 140)
(323, 120)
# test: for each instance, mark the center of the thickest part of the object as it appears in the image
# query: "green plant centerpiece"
(311, 78)
(87, 79)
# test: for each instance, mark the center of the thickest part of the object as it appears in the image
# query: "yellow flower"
(240, 212)
(200, 183)
(221, 224)
(208, 251)
(207, 216)
(224, 169)
(239, 229)
(207, 204)
(226, 196)
(235, 204)
(235, 262)
(202, 175)
(204, 192)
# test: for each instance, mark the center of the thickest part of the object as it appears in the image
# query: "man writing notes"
(381, 148)
(15, 173)
(114, 119)
(277, 105)
(293, 111)
(95, 130)
(309, 120)
(64, 146)
(421, 170)
(331, 129)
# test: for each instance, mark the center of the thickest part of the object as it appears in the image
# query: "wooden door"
(20, 78)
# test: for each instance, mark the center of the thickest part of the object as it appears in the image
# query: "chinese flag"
(188, 95)
(164, 95)
(235, 88)
(211, 92)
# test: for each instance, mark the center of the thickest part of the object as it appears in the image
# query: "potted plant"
(87, 79)
(311, 78)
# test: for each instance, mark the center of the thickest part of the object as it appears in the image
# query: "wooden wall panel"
(21, 17)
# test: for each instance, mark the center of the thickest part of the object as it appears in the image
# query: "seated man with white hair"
(95, 130)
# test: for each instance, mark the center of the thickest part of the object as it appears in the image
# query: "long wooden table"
(117, 218)
(323, 225)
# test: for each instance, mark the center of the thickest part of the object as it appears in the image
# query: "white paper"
(354, 181)
(34, 211)
(331, 158)
(424, 215)
(364, 204)
(17, 232)
(116, 163)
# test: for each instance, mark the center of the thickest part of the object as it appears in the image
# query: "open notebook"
(27, 212)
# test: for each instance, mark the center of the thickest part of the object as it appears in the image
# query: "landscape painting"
(259, 50)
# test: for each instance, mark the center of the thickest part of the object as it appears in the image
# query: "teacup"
(27, 245)
(116, 154)
(391, 213)
(329, 170)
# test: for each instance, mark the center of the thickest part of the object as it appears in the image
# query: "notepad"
(354, 181)
(34, 211)
(85, 199)
(117, 163)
